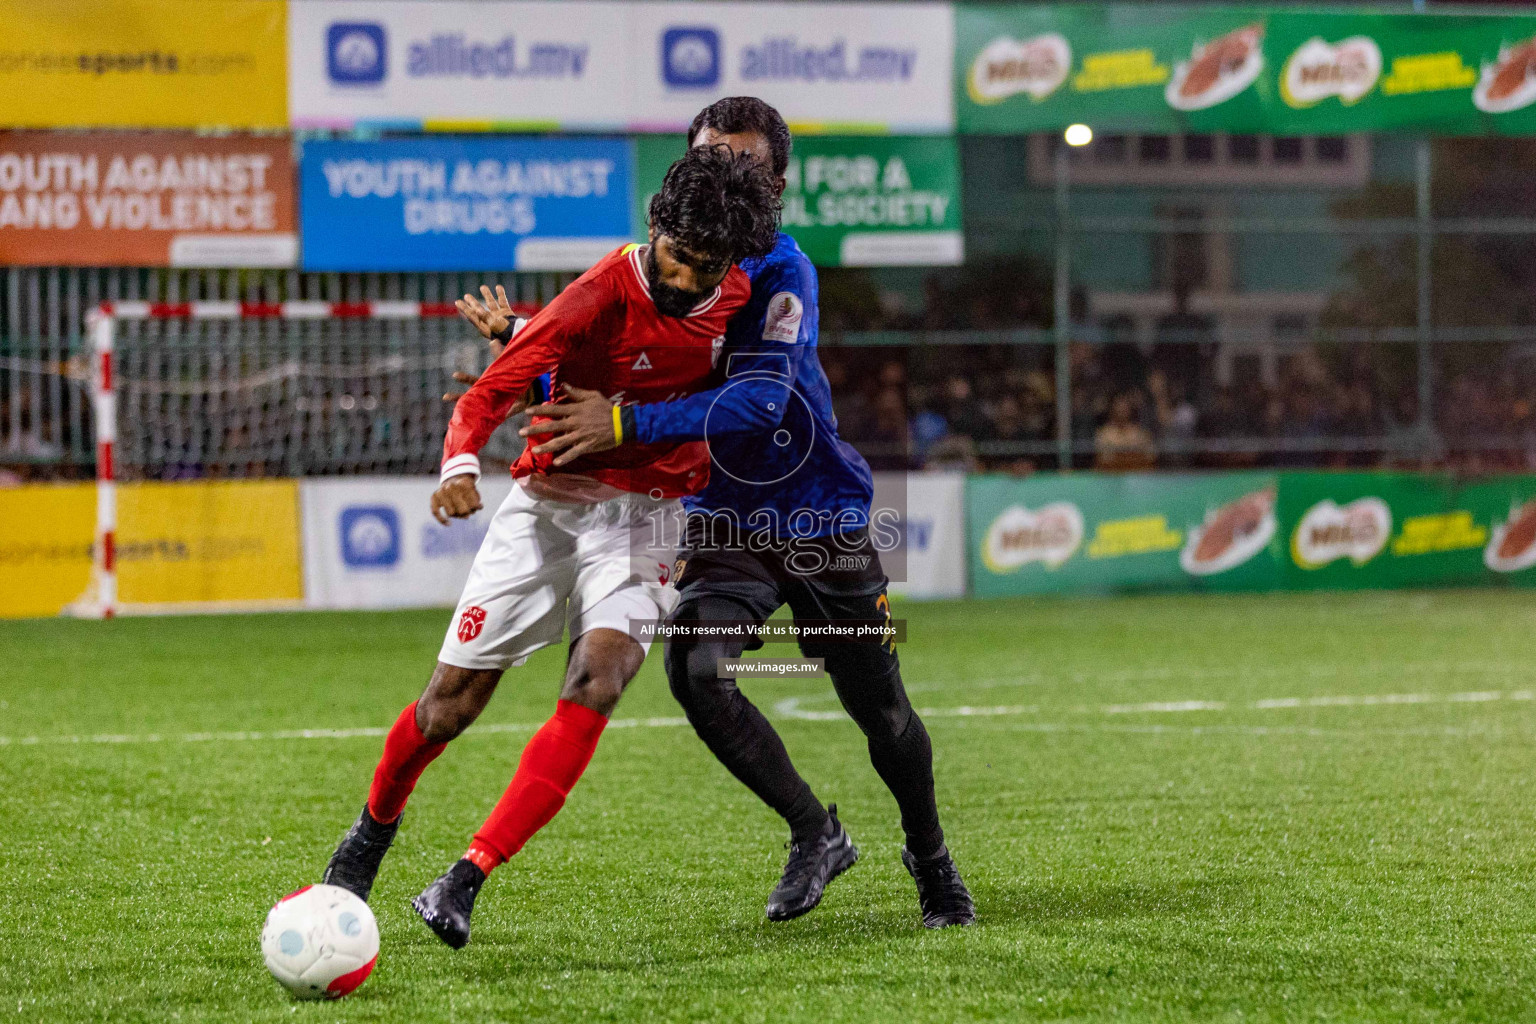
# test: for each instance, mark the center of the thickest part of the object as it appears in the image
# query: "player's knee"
(452, 701)
(889, 724)
(602, 664)
(441, 719)
(878, 704)
(692, 675)
(598, 689)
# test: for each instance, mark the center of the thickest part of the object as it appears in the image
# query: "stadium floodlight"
(239, 389)
(1078, 135)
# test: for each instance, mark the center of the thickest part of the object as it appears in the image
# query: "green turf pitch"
(1248, 808)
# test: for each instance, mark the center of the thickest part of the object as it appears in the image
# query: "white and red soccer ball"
(320, 942)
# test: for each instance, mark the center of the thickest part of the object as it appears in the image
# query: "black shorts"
(820, 578)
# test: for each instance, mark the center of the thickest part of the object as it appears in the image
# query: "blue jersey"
(776, 460)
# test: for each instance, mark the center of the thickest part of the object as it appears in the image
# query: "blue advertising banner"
(464, 204)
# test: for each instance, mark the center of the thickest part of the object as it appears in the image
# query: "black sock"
(904, 762)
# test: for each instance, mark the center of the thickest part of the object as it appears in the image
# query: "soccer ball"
(320, 942)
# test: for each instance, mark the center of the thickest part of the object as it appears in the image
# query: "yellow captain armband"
(618, 426)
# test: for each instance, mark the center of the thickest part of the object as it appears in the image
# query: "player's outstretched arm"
(540, 345)
(497, 324)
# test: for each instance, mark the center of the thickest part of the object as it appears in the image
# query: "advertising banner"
(1386, 530)
(459, 65)
(596, 65)
(931, 512)
(1242, 69)
(1248, 531)
(371, 542)
(827, 67)
(1087, 533)
(851, 201)
(191, 544)
(143, 64)
(146, 199)
(495, 203)
(45, 547)
(209, 543)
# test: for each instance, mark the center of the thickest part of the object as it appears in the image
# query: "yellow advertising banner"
(204, 543)
(144, 64)
(45, 547)
(209, 542)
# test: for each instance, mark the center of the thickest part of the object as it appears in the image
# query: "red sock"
(406, 755)
(551, 763)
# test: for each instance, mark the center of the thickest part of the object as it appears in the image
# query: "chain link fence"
(1148, 301)
(238, 398)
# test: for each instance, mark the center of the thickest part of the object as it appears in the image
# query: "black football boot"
(812, 864)
(941, 892)
(355, 863)
(446, 904)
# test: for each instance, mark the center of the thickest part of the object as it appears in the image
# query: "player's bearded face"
(669, 299)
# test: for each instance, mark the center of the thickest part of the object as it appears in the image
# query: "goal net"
(231, 390)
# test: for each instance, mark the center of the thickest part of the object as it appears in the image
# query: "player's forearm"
(486, 406)
(744, 405)
(475, 418)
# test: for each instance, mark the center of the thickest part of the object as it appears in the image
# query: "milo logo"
(1006, 67)
(1049, 535)
(1329, 531)
(1317, 70)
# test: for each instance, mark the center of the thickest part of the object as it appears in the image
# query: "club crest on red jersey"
(470, 623)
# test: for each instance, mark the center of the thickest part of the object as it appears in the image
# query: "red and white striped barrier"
(276, 310)
(102, 325)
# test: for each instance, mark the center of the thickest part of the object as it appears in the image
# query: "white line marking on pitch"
(790, 708)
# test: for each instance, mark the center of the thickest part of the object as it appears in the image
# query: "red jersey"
(604, 334)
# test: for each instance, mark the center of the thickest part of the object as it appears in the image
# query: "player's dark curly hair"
(739, 115)
(718, 206)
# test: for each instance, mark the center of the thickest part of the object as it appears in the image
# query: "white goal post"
(253, 391)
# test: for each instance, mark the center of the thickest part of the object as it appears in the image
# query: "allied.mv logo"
(370, 536)
(690, 57)
(355, 53)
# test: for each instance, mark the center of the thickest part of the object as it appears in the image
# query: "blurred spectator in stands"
(850, 403)
(927, 427)
(1177, 417)
(1359, 422)
(1122, 443)
(953, 453)
(1008, 421)
(887, 444)
(961, 410)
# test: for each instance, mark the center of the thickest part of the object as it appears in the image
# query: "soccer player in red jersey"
(579, 544)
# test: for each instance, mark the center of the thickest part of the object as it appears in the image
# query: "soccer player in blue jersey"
(785, 519)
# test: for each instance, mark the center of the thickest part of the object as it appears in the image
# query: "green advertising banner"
(1085, 532)
(1398, 530)
(857, 201)
(1246, 531)
(1242, 69)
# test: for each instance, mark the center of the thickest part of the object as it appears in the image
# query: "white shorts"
(548, 564)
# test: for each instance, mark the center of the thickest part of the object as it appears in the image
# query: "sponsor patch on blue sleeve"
(782, 322)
